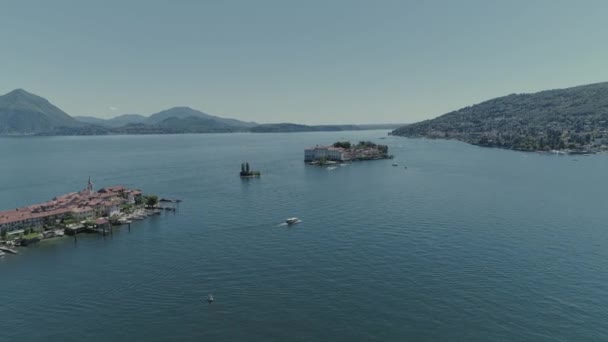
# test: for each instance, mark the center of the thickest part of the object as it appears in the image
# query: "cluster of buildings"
(341, 154)
(83, 205)
(330, 153)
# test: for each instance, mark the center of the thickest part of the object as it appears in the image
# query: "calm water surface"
(467, 244)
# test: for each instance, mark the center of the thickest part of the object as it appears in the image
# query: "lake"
(467, 243)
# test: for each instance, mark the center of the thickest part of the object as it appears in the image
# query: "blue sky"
(315, 62)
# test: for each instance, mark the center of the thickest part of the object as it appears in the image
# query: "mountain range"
(574, 119)
(24, 113)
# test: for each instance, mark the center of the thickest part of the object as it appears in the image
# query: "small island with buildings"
(75, 212)
(344, 151)
(246, 172)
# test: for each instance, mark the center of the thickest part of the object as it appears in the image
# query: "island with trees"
(246, 172)
(345, 151)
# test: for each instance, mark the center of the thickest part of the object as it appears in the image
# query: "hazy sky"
(301, 61)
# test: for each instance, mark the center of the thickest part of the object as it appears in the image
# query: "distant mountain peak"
(21, 93)
(18, 91)
(24, 112)
(183, 112)
(181, 107)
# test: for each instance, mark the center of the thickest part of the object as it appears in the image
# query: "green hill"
(195, 124)
(22, 112)
(187, 112)
(573, 119)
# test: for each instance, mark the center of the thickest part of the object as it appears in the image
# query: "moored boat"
(8, 250)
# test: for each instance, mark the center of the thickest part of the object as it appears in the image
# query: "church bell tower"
(90, 186)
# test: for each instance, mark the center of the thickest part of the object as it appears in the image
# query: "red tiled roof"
(63, 204)
(101, 221)
(115, 188)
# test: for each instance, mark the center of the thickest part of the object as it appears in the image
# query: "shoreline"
(555, 151)
(77, 212)
(73, 231)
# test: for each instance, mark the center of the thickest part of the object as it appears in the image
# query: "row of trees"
(342, 144)
(362, 145)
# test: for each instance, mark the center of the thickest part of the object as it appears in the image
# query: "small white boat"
(210, 298)
(8, 250)
(292, 220)
(395, 164)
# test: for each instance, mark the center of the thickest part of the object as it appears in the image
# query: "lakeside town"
(344, 151)
(84, 211)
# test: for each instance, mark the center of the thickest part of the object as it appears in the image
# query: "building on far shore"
(329, 153)
(83, 205)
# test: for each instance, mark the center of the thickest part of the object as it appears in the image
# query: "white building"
(83, 213)
(324, 152)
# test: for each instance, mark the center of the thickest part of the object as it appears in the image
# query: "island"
(84, 211)
(247, 173)
(572, 120)
(344, 151)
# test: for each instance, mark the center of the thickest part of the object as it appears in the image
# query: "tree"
(115, 220)
(151, 200)
(126, 208)
(68, 218)
(342, 144)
